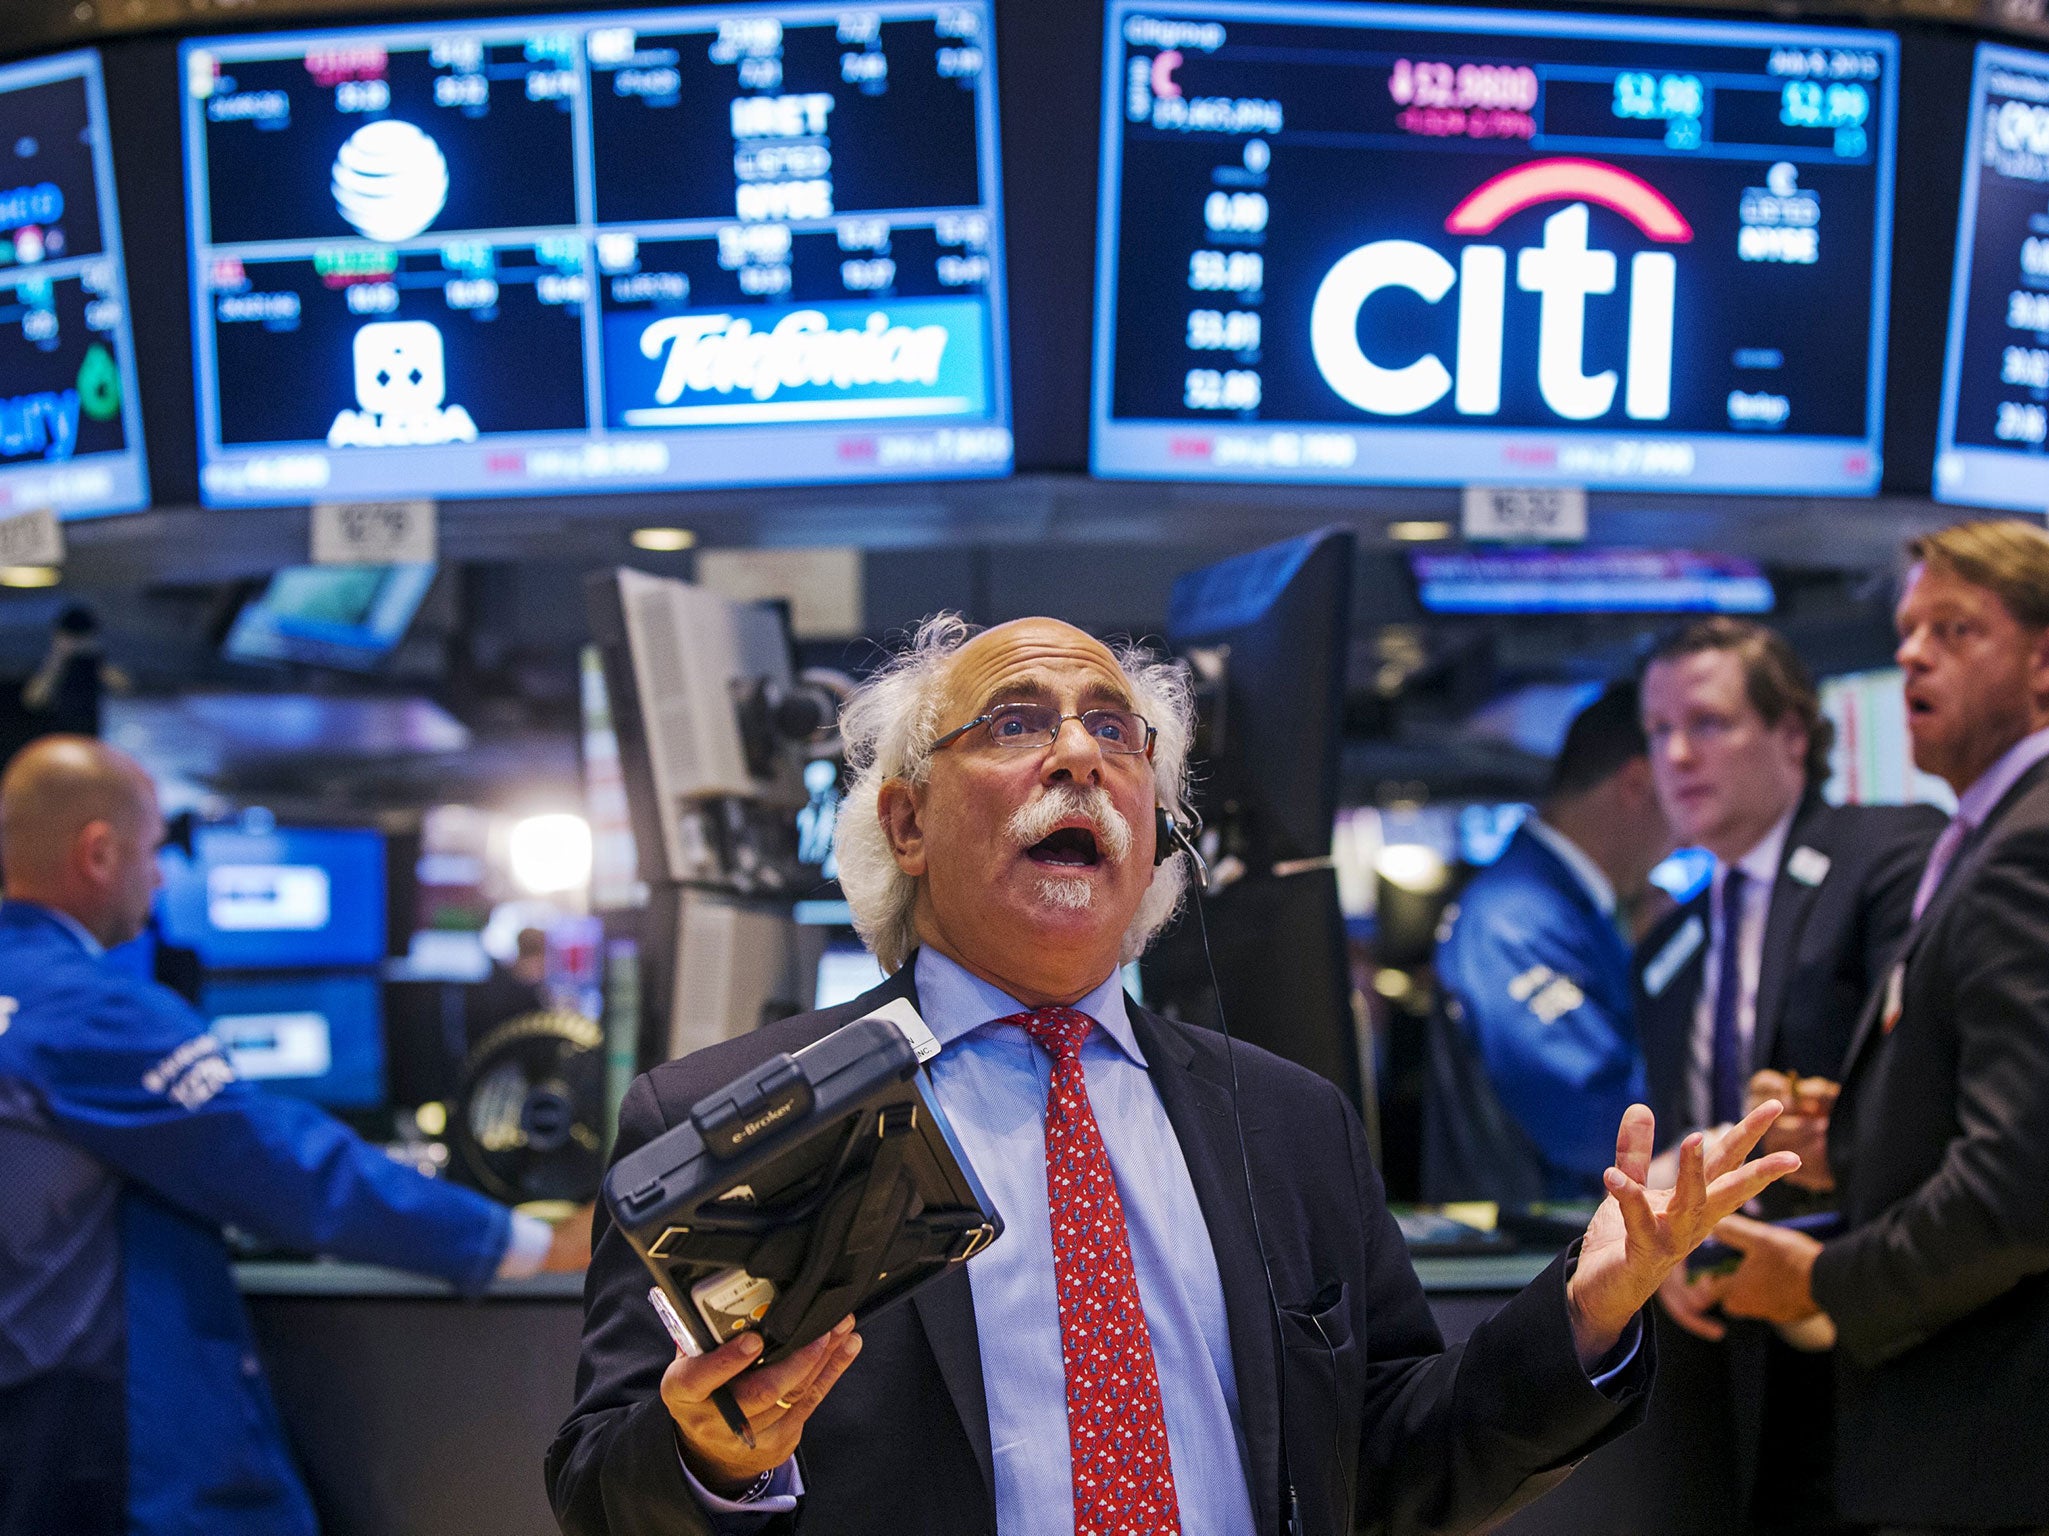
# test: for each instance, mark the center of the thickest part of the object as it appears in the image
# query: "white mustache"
(1037, 820)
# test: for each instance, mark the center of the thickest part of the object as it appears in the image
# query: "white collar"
(953, 1002)
(1977, 802)
(1585, 870)
(1760, 866)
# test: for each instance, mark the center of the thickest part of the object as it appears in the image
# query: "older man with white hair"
(1178, 1331)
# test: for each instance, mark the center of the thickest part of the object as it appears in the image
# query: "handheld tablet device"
(812, 1186)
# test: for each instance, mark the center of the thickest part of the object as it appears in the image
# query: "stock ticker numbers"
(70, 437)
(1360, 243)
(1993, 442)
(663, 248)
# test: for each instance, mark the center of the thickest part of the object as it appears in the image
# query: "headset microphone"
(1168, 832)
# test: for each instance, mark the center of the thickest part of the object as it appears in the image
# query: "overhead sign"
(1419, 246)
(1992, 448)
(717, 245)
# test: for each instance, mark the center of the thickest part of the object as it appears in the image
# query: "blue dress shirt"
(992, 1083)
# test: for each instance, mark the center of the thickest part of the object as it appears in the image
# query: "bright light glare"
(30, 576)
(1412, 867)
(666, 540)
(1419, 532)
(551, 854)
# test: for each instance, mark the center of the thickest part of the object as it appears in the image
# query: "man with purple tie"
(1122, 1360)
(1765, 971)
(1937, 1290)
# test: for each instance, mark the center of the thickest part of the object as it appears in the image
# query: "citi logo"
(1563, 272)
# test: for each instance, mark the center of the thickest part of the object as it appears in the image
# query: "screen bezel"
(287, 42)
(1104, 429)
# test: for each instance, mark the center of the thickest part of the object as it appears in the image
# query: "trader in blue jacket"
(131, 1399)
(1532, 1055)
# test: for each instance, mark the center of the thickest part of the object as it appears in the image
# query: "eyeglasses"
(1038, 725)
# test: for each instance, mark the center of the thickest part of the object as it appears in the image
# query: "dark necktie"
(1726, 1076)
(1116, 1427)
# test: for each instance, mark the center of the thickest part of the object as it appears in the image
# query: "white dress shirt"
(1760, 869)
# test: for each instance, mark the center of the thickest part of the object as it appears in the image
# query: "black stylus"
(729, 1409)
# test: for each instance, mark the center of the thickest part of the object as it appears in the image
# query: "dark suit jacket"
(1826, 944)
(1940, 1289)
(1705, 1448)
(1428, 1438)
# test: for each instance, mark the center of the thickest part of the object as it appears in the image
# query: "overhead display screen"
(1993, 443)
(1404, 246)
(70, 429)
(643, 251)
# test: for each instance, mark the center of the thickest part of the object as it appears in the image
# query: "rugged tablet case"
(831, 1173)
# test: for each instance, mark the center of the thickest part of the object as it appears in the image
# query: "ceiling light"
(663, 540)
(1419, 532)
(30, 575)
(550, 854)
(1412, 867)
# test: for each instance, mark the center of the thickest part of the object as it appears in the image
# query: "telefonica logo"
(1563, 272)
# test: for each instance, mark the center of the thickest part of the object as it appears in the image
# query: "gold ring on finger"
(785, 1403)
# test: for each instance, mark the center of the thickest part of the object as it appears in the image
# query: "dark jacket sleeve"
(1980, 1223)
(614, 1469)
(1453, 1439)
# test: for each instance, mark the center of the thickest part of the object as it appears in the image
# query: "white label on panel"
(374, 533)
(1553, 514)
(267, 898)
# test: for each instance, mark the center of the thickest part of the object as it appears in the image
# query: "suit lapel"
(1791, 904)
(946, 1309)
(1199, 1109)
(1962, 870)
(1678, 964)
(946, 1306)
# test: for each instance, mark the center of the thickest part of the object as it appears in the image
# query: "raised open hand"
(1640, 1235)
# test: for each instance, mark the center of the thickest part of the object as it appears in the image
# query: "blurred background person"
(509, 990)
(131, 1398)
(1761, 976)
(1533, 1057)
(1938, 1291)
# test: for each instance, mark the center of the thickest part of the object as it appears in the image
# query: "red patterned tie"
(1116, 1429)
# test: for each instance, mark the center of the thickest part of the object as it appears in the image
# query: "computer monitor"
(1380, 244)
(70, 426)
(1269, 632)
(317, 1037)
(646, 250)
(845, 971)
(1278, 622)
(346, 616)
(277, 899)
(1992, 445)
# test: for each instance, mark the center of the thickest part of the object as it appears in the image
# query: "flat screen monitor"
(315, 1037)
(1589, 581)
(1992, 444)
(70, 427)
(345, 616)
(1397, 245)
(845, 971)
(650, 250)
(288, 897)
